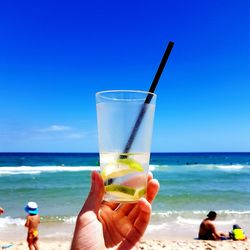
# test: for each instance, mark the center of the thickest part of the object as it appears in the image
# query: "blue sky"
(55, 55)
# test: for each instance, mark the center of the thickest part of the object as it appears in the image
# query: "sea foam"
(181, 220)
(222, 167)
(42, 169)
(51, 169)
(7, 221)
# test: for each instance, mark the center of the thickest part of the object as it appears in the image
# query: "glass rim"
(146, 93)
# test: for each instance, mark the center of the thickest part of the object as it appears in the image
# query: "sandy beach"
(146, 245)
(58, 236)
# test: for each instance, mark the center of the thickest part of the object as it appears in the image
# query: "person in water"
(237, 233)
(207, 229)
(32, 221)
(1, 210)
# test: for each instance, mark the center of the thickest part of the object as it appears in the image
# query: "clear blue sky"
(54, 56)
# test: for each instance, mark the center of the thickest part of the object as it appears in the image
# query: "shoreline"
(53, 236)
(166, 230)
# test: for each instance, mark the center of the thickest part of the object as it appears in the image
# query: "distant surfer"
(1, 210)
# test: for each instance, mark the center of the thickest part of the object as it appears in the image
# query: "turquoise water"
(191, 185)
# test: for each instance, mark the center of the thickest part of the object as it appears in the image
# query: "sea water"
(191, 184)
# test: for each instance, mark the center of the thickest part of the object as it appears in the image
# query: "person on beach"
(32, 222)
(102, 225)
(207, 229)
(1, 210)
(237, 233)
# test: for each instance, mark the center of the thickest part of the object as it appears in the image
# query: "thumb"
(94, 199)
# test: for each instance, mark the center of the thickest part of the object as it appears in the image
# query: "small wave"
(230, 167)
(42, 169)
(51, 169)
(200, 212)
(178, 212)
(71, 220)
(247, 212)
(192, 219)
(59, 219)
(57, 235)
(158, 167)
(158, 227)
(223, 167)
(181, 220)
(6, 221)
(152, 167)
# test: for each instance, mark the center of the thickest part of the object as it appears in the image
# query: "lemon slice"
(120, 168)
(120, 191)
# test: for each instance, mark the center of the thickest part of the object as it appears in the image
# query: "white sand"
(147, 245)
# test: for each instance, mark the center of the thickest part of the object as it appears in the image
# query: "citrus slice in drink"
(140, 192)
(125, 192)
(120, 168)
(120, 191)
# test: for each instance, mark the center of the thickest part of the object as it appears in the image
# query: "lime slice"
(120, 168)
(140, 192)
(125, 193)
(120, 190)
(131, 163)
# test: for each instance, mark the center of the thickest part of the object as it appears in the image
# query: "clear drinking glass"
(125, 123)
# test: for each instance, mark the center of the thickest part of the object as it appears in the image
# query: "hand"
(101, 225)
(1, 210)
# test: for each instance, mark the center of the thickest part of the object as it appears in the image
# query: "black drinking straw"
(148, 98)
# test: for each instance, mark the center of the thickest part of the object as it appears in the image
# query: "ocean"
(192, 184)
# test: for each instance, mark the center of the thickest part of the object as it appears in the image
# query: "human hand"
(101, 225)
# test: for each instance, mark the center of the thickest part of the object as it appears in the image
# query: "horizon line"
(160, 152)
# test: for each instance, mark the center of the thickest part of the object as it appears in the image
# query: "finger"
(150, 176)
(152, 190)
(94, 199)
(106, 233)
(112, 205)
(134, 214)
(109, 220)
(127, 208)
(143, 219)
(140, 225)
